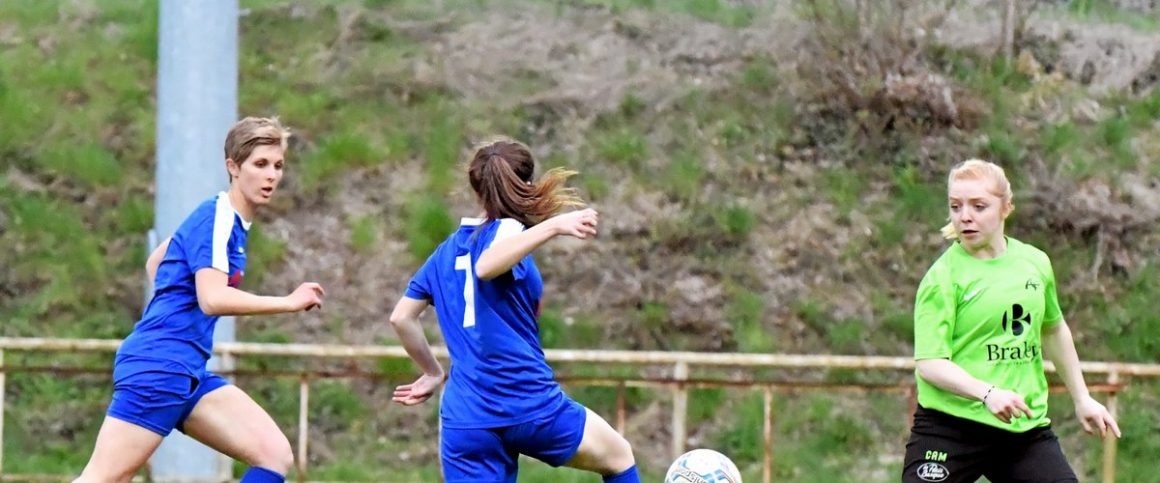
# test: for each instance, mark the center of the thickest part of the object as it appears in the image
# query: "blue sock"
(257, 474)
(626, 476)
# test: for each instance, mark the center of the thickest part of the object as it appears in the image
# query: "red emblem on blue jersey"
(236, 278)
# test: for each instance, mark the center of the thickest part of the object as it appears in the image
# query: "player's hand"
(418, 391)
(1007, 405)
(307, 296)
(580, 224)
(1095, 417)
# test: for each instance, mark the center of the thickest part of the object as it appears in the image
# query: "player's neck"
(993, 249)
(241, 205)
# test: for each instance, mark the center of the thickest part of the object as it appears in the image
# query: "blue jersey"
(499, 376)
(174, 335)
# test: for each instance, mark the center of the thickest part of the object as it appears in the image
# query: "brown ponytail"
(501, 172)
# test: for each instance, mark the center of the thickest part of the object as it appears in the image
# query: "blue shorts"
(490, 455)
(160, 401)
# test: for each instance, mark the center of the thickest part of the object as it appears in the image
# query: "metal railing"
(678, 379)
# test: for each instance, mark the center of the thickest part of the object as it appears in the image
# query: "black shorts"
(948, 449)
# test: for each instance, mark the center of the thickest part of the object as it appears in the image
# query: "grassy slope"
(82, 96)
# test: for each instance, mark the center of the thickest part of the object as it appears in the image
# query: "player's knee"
(620, 455)
(275, 454)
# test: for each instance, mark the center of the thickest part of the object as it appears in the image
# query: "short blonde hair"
(974, 169)
(252, 132)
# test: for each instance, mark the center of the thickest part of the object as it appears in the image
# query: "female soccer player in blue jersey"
(501, 398)
(160, 380)
(985, 317)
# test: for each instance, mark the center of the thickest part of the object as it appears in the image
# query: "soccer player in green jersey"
(985, 316)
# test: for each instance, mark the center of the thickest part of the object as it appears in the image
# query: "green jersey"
(986, 316)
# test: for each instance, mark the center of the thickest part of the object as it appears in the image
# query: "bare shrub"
(1113, 214)
(866, 60)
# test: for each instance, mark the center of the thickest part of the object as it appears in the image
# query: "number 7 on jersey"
(463, 262)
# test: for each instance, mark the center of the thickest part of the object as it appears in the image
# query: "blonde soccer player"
(985, 317)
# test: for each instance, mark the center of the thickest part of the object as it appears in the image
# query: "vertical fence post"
(911, 407)
(1110, 441)
(680, 407)
(303, 425)
(3, 383)
(620, 408)
(767, 433)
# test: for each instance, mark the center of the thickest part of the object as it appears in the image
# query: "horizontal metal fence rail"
(678, 379)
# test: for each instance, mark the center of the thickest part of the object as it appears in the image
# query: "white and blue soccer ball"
(703, 466)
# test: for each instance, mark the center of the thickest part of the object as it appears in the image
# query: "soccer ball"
(703, 466)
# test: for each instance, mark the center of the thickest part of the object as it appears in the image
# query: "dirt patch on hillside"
(1103, 56)
(583, 62)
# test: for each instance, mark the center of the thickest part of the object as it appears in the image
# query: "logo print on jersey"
(1018, 319)
(933, 472)
(1032, 284)
(236, 278)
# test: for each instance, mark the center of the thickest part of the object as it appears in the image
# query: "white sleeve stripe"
(223, 225)
(507, 228)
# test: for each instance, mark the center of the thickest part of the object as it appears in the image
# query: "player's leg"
(121, 449)
(604, 451)
(476, 455)
(576, 437)
(225, 418)
(145, 407)
(1033, 457)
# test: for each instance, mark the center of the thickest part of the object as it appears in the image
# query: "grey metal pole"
(197, 99)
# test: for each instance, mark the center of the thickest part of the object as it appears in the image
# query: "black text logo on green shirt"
(1018, 320)
(1032, 284)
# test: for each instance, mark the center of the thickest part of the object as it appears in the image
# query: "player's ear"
(233, 168)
